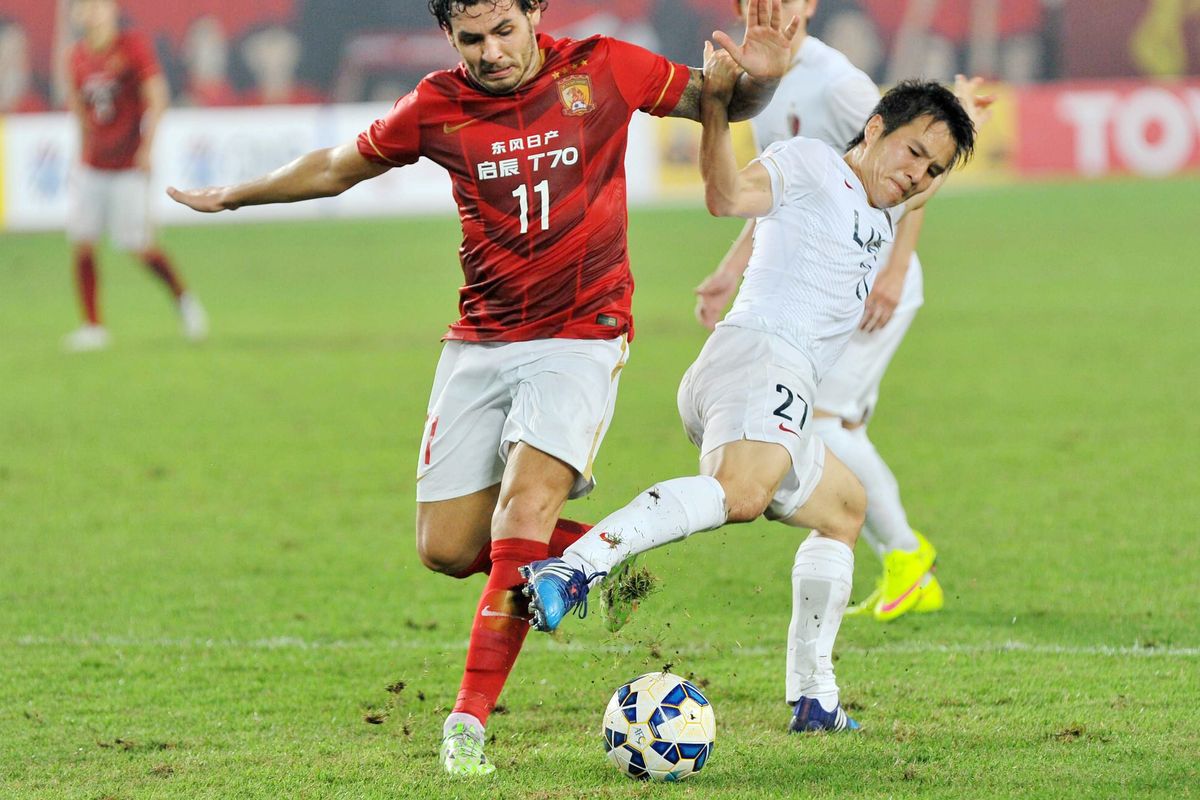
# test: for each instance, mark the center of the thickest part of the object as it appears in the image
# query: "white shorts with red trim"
(556, 395)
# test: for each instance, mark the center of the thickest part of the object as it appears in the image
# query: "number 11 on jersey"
(522, 194)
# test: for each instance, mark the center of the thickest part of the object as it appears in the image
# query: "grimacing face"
(906, 161)
(496, 42)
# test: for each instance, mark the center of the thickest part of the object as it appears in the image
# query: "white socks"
(664, 513)
(821, 579)
(887, 525)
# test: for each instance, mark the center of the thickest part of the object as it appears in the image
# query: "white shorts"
(556, 395)
(116, 201)
(850, 390)
(752, 385)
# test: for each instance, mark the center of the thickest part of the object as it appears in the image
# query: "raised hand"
(712, 296)
(721, 74)
(978, 106)
(766, 50)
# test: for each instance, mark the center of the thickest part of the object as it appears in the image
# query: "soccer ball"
(659, 727)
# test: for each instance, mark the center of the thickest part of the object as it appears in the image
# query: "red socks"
(502, 618)
(158, 263)
(501, 623)
(85, 280)
(566, 533)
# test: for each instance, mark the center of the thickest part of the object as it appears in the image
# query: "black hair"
(911, 99)
(444, 9)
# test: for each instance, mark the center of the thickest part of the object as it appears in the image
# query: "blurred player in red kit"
(118, 94)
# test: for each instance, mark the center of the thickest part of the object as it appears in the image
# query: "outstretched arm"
(728, 191)
(321, 173)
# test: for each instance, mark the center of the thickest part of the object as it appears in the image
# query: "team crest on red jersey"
(575, 92)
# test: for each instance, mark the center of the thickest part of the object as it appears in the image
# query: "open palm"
(766, 50)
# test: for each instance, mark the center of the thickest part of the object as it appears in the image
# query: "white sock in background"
(886, 527)
(821, 579)
(664, 513)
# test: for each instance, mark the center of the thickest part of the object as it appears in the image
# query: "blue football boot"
(554, 589)
(808, 715)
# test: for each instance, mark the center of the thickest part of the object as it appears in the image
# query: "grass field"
(208, 578)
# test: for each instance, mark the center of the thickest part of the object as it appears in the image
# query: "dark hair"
(912, 99)
(444, 9)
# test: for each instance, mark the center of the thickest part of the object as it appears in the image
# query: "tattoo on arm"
(749, 98)
(688, 106)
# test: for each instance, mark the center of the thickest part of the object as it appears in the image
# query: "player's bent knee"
(443, 559)
(746, 501)
(851, 524)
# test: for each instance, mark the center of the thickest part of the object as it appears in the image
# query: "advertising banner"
(211, 147)
(1082, 129)
(1106, 128)
(216, 147)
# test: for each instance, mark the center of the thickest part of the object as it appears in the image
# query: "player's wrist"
(761, 83)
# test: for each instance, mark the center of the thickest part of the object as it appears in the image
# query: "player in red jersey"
(118, 95)
(532, 131)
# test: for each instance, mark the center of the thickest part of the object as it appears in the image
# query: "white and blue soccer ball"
(659, 727)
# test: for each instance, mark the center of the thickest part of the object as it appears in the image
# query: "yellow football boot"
(932, 596)
(903, 577)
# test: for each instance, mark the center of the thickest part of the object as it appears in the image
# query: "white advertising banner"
(209, 147)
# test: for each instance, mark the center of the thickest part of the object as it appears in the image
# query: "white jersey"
(824, 96)
(814, 254)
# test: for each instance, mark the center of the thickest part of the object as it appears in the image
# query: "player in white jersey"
(824, 96)
(747, 400)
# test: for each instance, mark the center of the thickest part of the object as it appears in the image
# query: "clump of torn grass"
(632, 588)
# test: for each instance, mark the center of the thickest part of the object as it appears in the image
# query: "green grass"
(208, 578)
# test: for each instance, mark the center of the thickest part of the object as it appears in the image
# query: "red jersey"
(539, 179)
(109, 82)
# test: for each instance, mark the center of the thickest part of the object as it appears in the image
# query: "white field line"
(1135, 650)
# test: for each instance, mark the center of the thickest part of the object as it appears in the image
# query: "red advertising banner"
(1104, 128)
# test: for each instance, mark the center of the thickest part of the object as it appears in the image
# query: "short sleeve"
(851, 101)
(142, 58)
(648, 82)
(797, 168)
(395, 140)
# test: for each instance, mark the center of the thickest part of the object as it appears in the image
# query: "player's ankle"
(470, 721)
